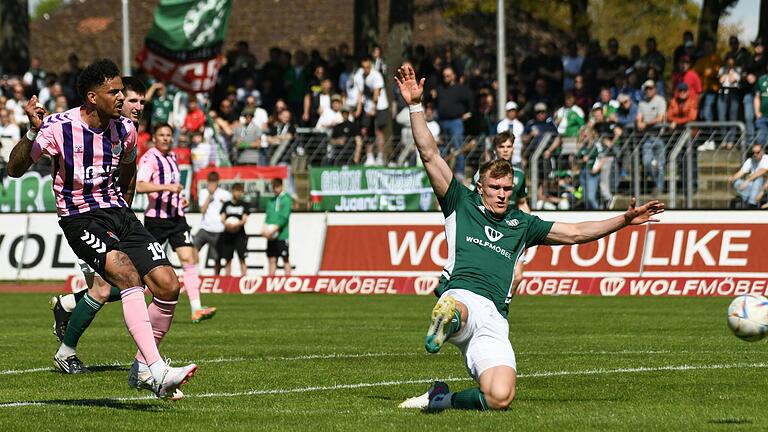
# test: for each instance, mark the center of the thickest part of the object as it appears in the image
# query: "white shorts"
(484, 339)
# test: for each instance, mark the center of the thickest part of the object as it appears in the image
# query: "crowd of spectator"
(578, 99)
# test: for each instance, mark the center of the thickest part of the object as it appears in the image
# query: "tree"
(398, 47)
(580, 20)
(366, 26)
(763, 29)
(14, 36)
(709, 19)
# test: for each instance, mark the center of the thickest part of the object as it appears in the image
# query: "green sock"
(81, 318)
(114, 295)
(455, 322)
(469, 399)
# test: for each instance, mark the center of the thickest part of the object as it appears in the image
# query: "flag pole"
(126, 41)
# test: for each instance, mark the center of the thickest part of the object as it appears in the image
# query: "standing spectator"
(688, 76)
(9, 135)
(586, 158)
(272, 72)
(276, 227)
(626, 113)
(319, 102)
(454, 106)
(248, 90)
(682, 108)
(583, 99)
(69, 81)
(348, 83)
(49, 94)
(652, 57)
(728, 98)
(612, 64)
(378, 60)
(739, 53)
(34, 78)
(247, 139)
(211, 200)
(514, 127)
(754, 168)
(535, 130)
(569, 118)
(194, 121)
(234, 215)
(571, 65)
(295, 81)
(607, 134)
(755, 68)
(373, 101)
(15, 105)
(761, 108)
(310, 113)
(592, 61)
(707, 67)
(408, 156)
(653, 75)
(684, 47)
(650, 112)
(162, 104)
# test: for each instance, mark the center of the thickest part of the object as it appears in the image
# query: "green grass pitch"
(319, 362)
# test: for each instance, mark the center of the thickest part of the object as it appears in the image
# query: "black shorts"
(229, 243)
(176, 231)
(372, 123)
(277, 248)
(91, 235)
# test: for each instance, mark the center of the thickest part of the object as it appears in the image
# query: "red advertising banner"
(667, 247)
(425, 285)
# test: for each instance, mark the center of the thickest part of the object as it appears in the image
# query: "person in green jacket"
(276, 227)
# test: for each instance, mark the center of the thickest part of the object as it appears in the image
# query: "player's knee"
(500, 398)
(164, 283)
(122, 271)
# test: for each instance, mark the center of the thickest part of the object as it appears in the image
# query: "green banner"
(371, 189)
(186, 25)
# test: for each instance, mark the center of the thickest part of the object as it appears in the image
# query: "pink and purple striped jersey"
(161, 169)
(85, 160)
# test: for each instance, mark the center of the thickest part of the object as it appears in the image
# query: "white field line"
(542, 374)
(342, 356)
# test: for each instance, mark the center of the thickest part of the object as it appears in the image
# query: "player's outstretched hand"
(35, 112)
(644, 213)
(410, 88)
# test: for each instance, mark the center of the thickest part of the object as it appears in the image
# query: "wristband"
(416, 108)
(31, 135)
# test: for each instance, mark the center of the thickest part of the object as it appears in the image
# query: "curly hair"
(95, 74)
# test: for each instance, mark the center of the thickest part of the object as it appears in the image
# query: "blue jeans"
(707, 105)
(654, 150)
(590, 183)
(453, 131)
(749, 115)
(751, 191)
(761, 126)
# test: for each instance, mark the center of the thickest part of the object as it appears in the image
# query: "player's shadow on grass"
(104, 403)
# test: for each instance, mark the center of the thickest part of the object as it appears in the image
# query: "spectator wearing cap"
(514, 127)
(682, 107)
(754, 69)
(707, 67)
(535, 130)
(626, 113)
(606, 132)
(689, 76)
(650, 112)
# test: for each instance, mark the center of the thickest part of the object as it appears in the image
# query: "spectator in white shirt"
(754, 169)
(330, 117)
(9, 134)
(211, 199)
(515, 128)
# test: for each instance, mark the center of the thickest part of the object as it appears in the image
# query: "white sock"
(142, 367)
(158, 370)
(68, 302)
(65, 351)
(195, 304)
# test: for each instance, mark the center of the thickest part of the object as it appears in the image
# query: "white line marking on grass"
(542, 374)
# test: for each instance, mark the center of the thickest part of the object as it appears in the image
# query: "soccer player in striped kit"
(88, 144)
(164, 218)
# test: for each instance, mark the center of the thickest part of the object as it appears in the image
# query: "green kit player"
(485, 238)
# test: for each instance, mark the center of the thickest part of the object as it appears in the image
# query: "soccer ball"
(231, 224)
(748, 317)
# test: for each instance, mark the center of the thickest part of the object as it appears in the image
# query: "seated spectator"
(689, 76)
(15, 105)
(408, 153)
(330, 117)
(583, 98)
(343, 134)
(682, 107)
(754, 169)
(514, 127)
(653, 75)
(569, 118)
(282, 130)
(626, 113)
(248, 142)
(650, 112)
(607, 104)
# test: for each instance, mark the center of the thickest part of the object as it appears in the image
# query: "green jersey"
(519, 189)
(279, 213)
(483, 249)
(761, 88)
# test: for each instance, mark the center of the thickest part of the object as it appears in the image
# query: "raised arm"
(21, 156)
(584, 232)
(439, 172)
